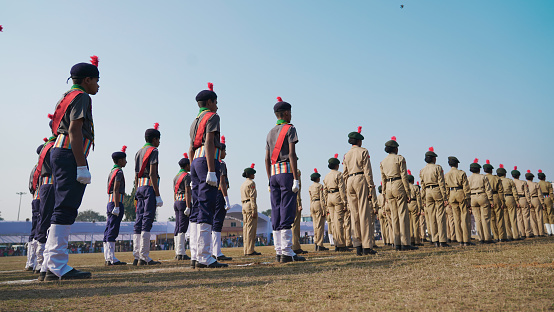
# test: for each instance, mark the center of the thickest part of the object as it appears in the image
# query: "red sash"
(201, 129)
(279, 144)
(112, 179)
(183, 175)
(62, 107)
(43, 153)
(145, 160)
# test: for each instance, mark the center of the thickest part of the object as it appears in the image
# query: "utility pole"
(18, 210)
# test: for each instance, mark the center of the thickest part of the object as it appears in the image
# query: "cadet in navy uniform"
(181, 206)
(34, 187)
(72, 124)
(205, 150)
(281, 168)
(148, 196)
(115, 209)
(221, 207)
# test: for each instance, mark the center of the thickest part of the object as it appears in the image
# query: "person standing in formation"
(148, 197)
(415, 207)
(524, 201)
(458, 194)
(546, 189)
(222, 206)
(481, 202)
(383, 218)
(497, 212)
(248, 195)
(281, 169)
(422, 217)
(181, 206)
(510, 197)
(330, 226)
(115, 208)
(317, 209)
(398, 194)
(296, 225)
(335, 197)
(537, 202)
(434, 195)
(360, 190)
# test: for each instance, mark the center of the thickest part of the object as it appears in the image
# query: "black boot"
(151, 262)
(321, 248)
(397, 247)
(135, 262)
(316, 248)
(73, 274)
(409, 247)
(444, 245)
(225, 258)
(193, 264)
(285, 259)
(369, 251)
(214, 265)
(278, 258)
(359, 251)
(41, 276)
(119, 263)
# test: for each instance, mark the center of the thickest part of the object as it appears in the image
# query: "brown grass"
(508, 276)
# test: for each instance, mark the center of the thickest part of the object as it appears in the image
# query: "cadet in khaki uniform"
(481, 202)
(335, 195)
(434, 195)
(457, 188)
(497, 212)
(248, 195)
(415, 207)
(317, 209)
(360, 190)
(422, 217)
(347, 226)
(546, 189)
(385, 225)
(397, 193)
(296, 225)
(511, 200)
(537, 204)
(524, 201)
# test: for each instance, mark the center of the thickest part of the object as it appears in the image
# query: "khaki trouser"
(422, 226)
(347, 227)
(318, 217)
(510, 216)
(482, 213)
(250, 219)
(437, 217)
(539, 220)
(548, 211)
(397, 200)
(296, 230)
(329, 219)
(431, 223)
(336, 209)
(525, 217)
(450, 228)
(360, 210)
(414, 221)
(497, 218)
(460, 215)
(384, 229)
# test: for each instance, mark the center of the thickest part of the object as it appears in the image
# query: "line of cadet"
(59, 179)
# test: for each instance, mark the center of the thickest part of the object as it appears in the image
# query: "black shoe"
(285, 259)
(135, 262)
(490, 242)
(350, 246)
(212, 266)
(531, 236)
(107, 263)
(300, 251)
(193, 264)
(420, 244)
(542, 235)
(73, 274)
(359, 251)
(337, 249)
(225, 258)
(504, 240)
(119, 263)
(151, 262)
(448, 240)
(408, 247)
(36, 271)
(278, 258)
(481, 242)
(397, 247)
(444, 245)
(375, 246)
(255, 253)
(369, 251)
(185, 257)
(41, 276)
(29, 269)
(321, 248)
(316, 248)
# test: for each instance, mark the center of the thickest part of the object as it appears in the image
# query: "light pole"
(18, 210)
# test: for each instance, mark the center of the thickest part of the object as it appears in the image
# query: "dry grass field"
(516, 276)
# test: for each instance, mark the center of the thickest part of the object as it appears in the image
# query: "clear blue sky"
(471, 78)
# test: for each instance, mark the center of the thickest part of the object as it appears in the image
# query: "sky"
(473, 79)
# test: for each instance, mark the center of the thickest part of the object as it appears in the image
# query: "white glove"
(159, 201)
(211, 179)
(83, 175)
(227, 203)
(187, 212)
(115, 211)
(295, 186)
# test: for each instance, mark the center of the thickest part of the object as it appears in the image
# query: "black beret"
(281, 106)
(541, 175)
(205, 95)
(529, 175)
(39, 148)
(392, 142)
(501, 171)
(315, 175)
(380, 188)
(411, 178)
(515, 172)
(334, 160)
(431, 152)
(118, 155)
(475, 165)
(452, 158)
(153, 133)
(83, 70)
(488, 167)
(249, 171)
(355, 135)
(183, 162)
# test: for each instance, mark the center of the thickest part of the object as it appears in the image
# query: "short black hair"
(390, 149)
(331, 166)
(429, 159)
(453, 163)
(314, 178)
(352, 141)
(77, 81)
(501, 174)
(487, 169)
(280, 114)
(202, 103)
(474, 169)
(149, 137)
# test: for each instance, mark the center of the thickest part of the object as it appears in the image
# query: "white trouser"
(56, 249)
(31, 254)
(136, 246)
(216, 244)
(331, 240)
(105, 247)
(40, 256)
(204, 232)
(111, 252)
(286, 243)
(145, 246)
(182, 242)
(548, 228)
(193, 240)
(277, 242)
(176, 242)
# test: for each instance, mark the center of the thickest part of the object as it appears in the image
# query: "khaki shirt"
(416, 195)
(381, 201)
(522, 189)
(535, 191)
(357, 160)
(394, 166)
(457, 178)
(432, 174)
(546, 188)
(509, 187)
(496, 185)
(334, 180)
(478, 183)
(248, 192)
(316, 193)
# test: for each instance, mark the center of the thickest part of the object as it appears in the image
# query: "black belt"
(508, 194)
(333, 191)
(317, 199)
(477, 193)
(456, 188)
(523, 195)
(495, 192)
(545, 194)
(412, 199)
(355, 174)
(431, 186)
(245, 201)
(535, 196)
(393, 179)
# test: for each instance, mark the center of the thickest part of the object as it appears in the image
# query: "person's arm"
(116, 193)
(442, 185)
(488, 190)
(223, 185)
(210, 151)
(188, 196)
(383, 179)
(465, 186)
(293, 160)
(154, 178)
(501, 193)
(253, 196)
(368, 173)
(268, 164)
(191, 154)
(541, 197)
(76, 138)
(404, 175)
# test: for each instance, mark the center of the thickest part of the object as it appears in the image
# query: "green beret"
(392, 142)
(475, 165)
(501, 171)
(452, 158)
(431, 152)
(249, 171)
(529, 175)
(541, 176)
(380, 188)
(516, 173)
(355, 136)
(488, 167)
(315, 175)
(334, 160)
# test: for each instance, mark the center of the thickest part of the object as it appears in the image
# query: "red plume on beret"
(1, 28)
(45, 139)
(50, 116)
(393, 138)
(475, 160)
(515, 167)
(381, 182)
(409, 172)
(417, 182)
(210, 86)
(186, 155)
(279, 99)
(431, 149)
(501, 166)
(315, 170)
(528, 171)
(488, 162)
(540, 171)
(359, 129)
(124, 148)
(337, 156)
(94, 60)
(156, 126)
(252, 166)
(223, 139)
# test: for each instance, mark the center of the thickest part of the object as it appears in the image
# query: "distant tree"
(267, 213)
(172, 218)
(1, 219)
(129, 204)
(90, 216)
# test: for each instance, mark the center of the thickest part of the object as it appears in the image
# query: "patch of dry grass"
(509, 276)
